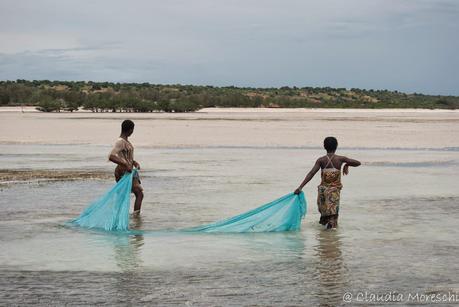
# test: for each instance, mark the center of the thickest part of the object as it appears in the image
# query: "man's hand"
(136, 165)
(346, 169)
(128, 167)
(297, 191)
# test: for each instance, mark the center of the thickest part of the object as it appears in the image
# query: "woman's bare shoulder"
(322, 161)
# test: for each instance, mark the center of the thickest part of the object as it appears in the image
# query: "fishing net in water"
(282, 214)
(111, 212)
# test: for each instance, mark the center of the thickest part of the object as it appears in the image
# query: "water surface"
(398, 228)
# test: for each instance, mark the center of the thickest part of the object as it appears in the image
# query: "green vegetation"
(57, 96)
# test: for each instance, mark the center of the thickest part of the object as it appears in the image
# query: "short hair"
(127, 125)
(330, 144)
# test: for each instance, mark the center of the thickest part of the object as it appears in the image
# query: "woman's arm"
(349, 162)
(309, 176)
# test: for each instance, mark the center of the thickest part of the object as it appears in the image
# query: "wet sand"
(12, 176)
(239, 127)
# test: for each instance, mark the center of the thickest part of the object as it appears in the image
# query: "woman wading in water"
(330, 187)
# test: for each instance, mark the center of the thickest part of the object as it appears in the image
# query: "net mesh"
(111, 212)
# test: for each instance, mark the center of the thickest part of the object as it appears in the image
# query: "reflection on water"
(127, 248)
(127, 256)
(127, 252)
(410, 243)
(330, 267)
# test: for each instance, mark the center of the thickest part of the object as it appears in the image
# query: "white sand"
(405, 128)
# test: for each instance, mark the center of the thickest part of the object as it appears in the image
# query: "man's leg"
(138, 192)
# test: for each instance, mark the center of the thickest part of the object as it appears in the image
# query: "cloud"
(403, 45)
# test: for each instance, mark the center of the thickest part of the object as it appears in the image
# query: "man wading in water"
(330, 186)
(123, 155)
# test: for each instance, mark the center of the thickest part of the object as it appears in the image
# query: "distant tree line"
(69, 96)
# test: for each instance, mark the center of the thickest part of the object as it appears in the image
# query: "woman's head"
(330, 144)
(127, 127)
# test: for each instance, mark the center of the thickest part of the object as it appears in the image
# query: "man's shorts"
(136, 184)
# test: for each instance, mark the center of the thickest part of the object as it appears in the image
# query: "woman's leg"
(321, 204)
(333, 200)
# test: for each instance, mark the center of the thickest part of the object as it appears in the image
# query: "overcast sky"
(406, 45)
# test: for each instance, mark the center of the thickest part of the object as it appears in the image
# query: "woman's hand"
(297, 191)
(136, 165)
(346, 169)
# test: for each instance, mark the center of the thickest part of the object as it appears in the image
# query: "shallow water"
(398, 229)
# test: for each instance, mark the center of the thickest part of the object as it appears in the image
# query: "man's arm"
(120, 161)
(349, 162)
(309, 176)
(115, 158)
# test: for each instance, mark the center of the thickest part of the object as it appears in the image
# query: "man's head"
(127, 127)
(330, 144)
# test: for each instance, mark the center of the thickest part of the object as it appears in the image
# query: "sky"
(405, 45)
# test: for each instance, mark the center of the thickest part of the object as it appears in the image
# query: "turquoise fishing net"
(111, 212)
(282, 214)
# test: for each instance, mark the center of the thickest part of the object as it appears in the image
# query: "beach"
(398, 215)
(238, 127)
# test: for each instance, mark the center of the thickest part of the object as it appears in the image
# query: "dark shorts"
(136, 184)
